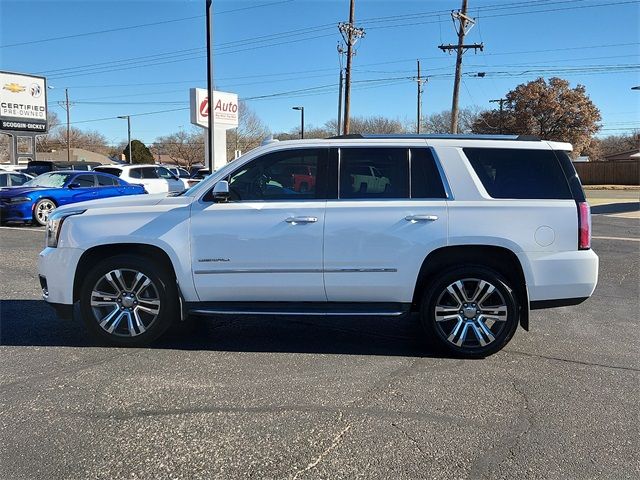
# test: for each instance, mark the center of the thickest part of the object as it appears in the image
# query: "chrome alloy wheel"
(43, 210)
(125, 302)
(471, 313)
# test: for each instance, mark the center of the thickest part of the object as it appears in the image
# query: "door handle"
(421, 218)
(295, 220)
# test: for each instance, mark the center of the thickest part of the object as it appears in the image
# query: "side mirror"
(74, 185)
(221, 191)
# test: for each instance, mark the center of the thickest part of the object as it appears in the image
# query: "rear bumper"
(562, 278)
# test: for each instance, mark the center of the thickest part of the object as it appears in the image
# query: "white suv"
(155, 178)
(471, 232)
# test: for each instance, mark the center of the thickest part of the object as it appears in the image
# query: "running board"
(299, 308)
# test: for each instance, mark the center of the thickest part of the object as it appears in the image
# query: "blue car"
(36, 199)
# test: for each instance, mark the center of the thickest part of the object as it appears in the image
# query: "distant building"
(77, 155)
(626, 155)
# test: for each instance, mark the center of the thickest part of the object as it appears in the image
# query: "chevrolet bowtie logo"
(14, 87)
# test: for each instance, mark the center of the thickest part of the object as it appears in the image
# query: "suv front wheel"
(127, 301)
(470, 311)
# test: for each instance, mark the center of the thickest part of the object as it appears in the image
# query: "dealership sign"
(23, 103)
(224, 107)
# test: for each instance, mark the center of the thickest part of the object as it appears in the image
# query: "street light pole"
(209, 15)
(301, 120)
(128, 135)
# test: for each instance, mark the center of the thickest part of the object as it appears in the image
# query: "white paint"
(367, 235)
(226, 114)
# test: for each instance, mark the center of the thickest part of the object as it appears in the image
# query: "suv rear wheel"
(470, 311)
(127, 301)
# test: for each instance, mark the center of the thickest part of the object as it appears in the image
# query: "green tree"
(141, 153)
(550, 110)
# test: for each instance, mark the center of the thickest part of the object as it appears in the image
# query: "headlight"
(54, 225)
(19, 200)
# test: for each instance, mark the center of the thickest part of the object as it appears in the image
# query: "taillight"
(584, 226)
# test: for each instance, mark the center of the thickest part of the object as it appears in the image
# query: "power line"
(132, 27)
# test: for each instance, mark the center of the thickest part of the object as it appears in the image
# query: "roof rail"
(444, 136)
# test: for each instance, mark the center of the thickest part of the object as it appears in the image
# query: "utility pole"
(128, 118)
(66, 96)
(465, 23)
(209, 17)
(419, 80)
(501, 102)
(340, 94)
(350, 34)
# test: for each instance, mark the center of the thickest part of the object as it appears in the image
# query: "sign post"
(23, 111)
(225, 110)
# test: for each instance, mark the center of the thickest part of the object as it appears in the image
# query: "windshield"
(53, 179)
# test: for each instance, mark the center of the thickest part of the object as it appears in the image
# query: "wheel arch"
(98, 253)
(500, 259)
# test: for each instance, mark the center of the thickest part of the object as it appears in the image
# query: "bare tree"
(372, 125)
(184, 148)
(441, 122)
(250, 133)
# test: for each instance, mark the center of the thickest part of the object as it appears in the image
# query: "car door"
(376, 238)
(80, 189)
(265, 243)
(107, 186)
(174, 184)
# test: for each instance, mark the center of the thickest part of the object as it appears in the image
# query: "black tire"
(463, 335)
(39, 210)
(159, 296)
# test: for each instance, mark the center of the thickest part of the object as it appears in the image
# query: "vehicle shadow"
(34, 323)
(616, 208)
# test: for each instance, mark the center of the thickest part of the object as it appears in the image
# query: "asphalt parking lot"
(318, 398)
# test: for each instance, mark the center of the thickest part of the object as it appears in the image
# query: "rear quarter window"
(519, 173)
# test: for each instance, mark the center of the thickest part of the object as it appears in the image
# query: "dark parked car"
(38, 167)
(36, 199)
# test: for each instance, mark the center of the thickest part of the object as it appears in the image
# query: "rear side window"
(3, 180)
(425, 177)
(374, 173)
(135, 173)
(105, 181)
(519, 173)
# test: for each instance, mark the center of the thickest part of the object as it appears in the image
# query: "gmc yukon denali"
(469, 232)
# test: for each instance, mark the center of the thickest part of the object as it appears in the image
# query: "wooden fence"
(623, 172)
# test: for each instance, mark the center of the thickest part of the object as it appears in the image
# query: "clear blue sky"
(268, 47)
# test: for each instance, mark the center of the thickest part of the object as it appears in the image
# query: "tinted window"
(135, 173)
(105, 181)
(425, 177)
(84, 180)
(273, 177)
(18, 178)
(112, 171)
(374, 173)
(164, 173)
(3, 180)
(182, 173)
(516, 173)
(149, 172)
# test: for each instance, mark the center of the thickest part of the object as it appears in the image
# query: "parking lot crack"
(413, 441)
(508, 446)
(316, 461)
(567, 360)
